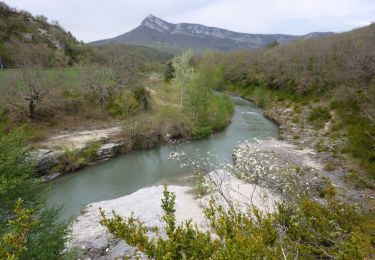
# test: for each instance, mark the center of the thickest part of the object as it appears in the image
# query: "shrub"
(262, 97)
(358, 181)
(201, 132)
(122, 105)
(307, 230)
(76, 159)
(219, 112)
(318, 116)
(329, 166)
(141, 96)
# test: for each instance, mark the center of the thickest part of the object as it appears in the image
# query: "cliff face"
(156, 32)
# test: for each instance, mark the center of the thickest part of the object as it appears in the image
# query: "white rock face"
(108, 150)
(76, 140)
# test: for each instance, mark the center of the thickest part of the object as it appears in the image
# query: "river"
(130, 172)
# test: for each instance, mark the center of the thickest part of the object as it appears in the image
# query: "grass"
(319, 116)
(71, 77)
(358, 181)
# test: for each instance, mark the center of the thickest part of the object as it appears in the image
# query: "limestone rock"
(46, 160)
(109, 150)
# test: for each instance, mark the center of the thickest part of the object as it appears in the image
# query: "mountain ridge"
(156, 32)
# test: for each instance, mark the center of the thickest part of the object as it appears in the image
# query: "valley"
(185, 141)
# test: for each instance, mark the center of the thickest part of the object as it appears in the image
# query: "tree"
(184, 73)
(28, 228)
(29, 87)
(169, 72)
(13, 243)
(97, 81)
(124, 70)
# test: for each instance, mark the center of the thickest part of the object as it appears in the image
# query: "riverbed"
(130, 172)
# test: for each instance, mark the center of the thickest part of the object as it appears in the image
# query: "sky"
(91, 20)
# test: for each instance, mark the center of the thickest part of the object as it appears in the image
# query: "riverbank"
(125, 174)
(92, 240)
(71, 150)
(310, 125)
(325, 147)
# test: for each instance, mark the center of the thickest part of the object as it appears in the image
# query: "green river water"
(130, 172)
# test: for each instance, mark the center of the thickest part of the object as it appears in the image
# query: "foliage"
(181, 242)
(169, 72)
(201, 132)
(15, 181)
(73, 160)
(141, 95)
(20, 31)
(307, 230)
(122, 105)
(284, 176)
(339, 68)
(33, 229)
(13, 243)
(319, 115)
(358, 181)
(184, 74)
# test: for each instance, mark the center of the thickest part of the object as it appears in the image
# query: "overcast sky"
(91, 20)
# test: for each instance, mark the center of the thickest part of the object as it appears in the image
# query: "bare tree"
(97, 81)
(124, 70)
(28, 88)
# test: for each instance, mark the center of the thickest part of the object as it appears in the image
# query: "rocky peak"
(196, 30)
(157, 24)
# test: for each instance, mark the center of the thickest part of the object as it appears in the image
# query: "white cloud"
(97, 19)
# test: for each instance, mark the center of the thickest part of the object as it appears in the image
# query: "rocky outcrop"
(109, 150)
(46, 159)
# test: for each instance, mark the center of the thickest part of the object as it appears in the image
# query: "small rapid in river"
(130, 172)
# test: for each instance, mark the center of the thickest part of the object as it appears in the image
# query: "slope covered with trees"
(20, 31)
(335, 72)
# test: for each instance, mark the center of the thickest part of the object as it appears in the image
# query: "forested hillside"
(22, 33)
(335, 72)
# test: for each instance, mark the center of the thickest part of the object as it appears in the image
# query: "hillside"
(24, 35)
(332, 79)
(155, 32)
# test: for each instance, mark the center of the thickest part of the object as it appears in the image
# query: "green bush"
(73, 160)
(358, 181)
(219, 112)
(262, 97)
(122, 105)
(307, 230)
(201, 132)
(141, 96)
(28, 228)
(361, 145)
(318, 116)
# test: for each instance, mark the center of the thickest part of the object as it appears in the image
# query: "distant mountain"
(155, 32)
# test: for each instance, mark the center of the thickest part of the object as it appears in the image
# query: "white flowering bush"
(280, 173)
(327, 144)
(206, 168)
